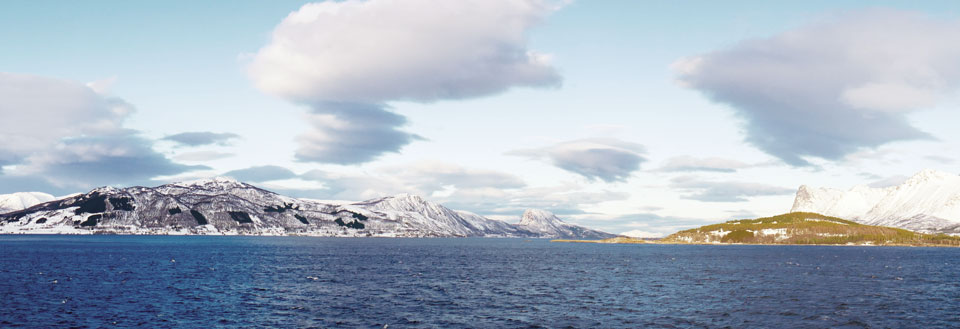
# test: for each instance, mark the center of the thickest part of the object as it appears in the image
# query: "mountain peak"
(547, 224)
(409, 197)
(927, 175)
(536, 216)
(220, 181)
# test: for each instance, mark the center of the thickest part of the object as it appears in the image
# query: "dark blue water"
(157, 282)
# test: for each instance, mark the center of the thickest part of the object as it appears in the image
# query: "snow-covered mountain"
(22, 200)
(226, 206)
(927, 202)
(546, 224)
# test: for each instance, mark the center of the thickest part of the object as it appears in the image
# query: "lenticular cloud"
(334, 56)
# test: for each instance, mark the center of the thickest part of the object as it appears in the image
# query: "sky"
(646, 116)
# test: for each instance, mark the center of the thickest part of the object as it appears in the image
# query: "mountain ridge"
(230, 207)
(929, 202)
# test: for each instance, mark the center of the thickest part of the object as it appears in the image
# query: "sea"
(106, 281)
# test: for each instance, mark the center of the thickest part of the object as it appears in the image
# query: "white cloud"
(65, 136)
(608, 159)
(640, 234)
(38, 112)
(889, 181)
(834, 87)
(352, 135)
(201, 156)
(424, 178)
(724, 191)
(384, 50)
(347, 59)
(689, 163)
(889, 97)
(200, 138)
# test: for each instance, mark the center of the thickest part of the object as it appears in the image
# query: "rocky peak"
(537, 216)
(214, 182)
(930, 175)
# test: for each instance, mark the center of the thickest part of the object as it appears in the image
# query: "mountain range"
(226, 206)
(927, 202)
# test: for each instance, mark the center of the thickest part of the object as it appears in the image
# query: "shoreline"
(638, 241)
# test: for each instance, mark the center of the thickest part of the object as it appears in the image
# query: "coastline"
(640, 241)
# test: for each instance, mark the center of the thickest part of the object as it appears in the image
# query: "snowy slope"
(418, 215)
(927, 202)
(226, 206)
(547, 224)
(22, 200)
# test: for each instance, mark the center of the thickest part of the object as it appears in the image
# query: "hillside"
(806, 228)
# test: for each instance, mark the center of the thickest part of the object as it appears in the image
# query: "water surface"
(196, 281)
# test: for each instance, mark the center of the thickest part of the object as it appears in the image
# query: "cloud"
(940, 159)
(200, 138)
(653, 224)
(38, 112)
(640, 234)
(13, 184)
(432, 176)
(347, 59)
(834, 87)
(688, 163)
(351, 133)
(261, 174)
(201, 156)
(889, 181)
(83, 162)
(59, 135)
(426, 178)
(724, 191)
(610, 160)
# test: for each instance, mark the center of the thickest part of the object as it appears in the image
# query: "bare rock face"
(226, 206)
(928, 202)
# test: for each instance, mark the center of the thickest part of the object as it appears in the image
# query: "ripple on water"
(225, 282)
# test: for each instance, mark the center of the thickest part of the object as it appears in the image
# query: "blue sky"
(620, 115)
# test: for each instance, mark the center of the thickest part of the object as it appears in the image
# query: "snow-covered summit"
(929, 201)
(540, 220)
(928, 175)
(213, 182)
(547, 224)
(22, 200)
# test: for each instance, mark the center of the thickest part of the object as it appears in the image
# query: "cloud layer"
(834, 87)
(38, 112)
(261, 174)
(725, 191)
(63, 136)
(200, 138)
(347, 59)
(689, 163)
(610, 160)
(351, 133)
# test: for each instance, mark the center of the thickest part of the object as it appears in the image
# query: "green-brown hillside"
(807, 228)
